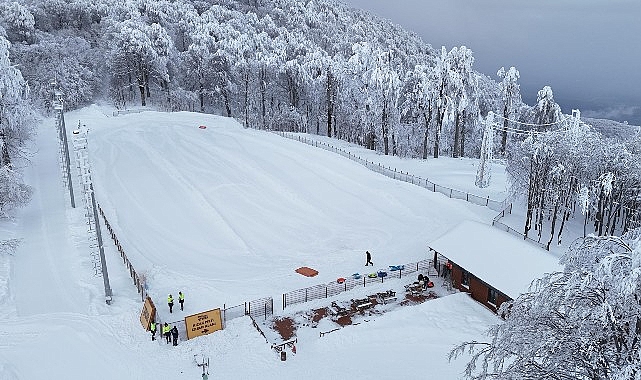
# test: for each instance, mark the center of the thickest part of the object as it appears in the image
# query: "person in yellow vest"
(170, 302)
(181, 299)
(152, 329)
(166, 331)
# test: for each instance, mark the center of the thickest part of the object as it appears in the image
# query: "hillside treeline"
(315, 66)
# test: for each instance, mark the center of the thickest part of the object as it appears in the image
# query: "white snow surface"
(226, 215)
(504, 261)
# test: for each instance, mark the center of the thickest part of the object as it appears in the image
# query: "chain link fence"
(334, 288)
(402, 176)
(496, 223)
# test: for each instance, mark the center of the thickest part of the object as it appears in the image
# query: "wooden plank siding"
(478, 289)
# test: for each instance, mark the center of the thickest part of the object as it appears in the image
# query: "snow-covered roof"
(503, 261)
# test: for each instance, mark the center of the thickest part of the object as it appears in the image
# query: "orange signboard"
(203, 323)
(148, 313)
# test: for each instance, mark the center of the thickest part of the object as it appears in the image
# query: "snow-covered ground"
(224, 214)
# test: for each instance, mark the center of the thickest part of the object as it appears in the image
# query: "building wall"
(477, 288)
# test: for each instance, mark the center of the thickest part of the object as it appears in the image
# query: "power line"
(534, 125)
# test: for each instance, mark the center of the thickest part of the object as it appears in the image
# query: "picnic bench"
(336, 309)
(362, 304)
(385, 297)
(414, 288)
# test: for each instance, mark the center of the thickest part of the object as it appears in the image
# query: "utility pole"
(91, 210)
(58, 105)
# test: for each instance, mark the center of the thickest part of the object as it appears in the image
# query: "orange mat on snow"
(305, 271)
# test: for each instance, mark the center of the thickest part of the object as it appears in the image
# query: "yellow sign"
(203, 323)
(148, 313)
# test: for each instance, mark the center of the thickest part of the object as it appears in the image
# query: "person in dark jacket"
(368, 256)
(174, 334)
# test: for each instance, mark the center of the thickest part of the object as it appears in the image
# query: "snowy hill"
(224, 214)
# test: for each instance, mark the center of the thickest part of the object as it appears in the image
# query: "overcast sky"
(588, 51)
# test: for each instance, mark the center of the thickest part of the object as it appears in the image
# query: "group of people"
(170, 333)
(181, 300)
(167, 331)
(424, 281)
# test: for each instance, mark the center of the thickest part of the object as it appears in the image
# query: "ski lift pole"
(103, 262)
(67, 161)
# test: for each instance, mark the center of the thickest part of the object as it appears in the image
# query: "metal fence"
(138, 281)
(496, 223)
(334, 288)
(260, 308)
(403, 176)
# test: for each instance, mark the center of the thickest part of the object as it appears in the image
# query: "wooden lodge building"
(490, 264)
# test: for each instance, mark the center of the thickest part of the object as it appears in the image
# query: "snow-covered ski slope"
(228, 213)
(224, 214)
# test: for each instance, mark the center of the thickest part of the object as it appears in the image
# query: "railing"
(258, 328)
(138, 282)
(402, 176)
(334, 288)
(496, 223)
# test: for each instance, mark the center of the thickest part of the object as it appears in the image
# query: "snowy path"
(46, 257)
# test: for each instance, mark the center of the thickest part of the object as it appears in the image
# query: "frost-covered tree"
(17, 21)
(79, 78)
(16, 120)
(463, 90)
(510, 98)
(138, 58)
(420, 99)
(546, 112)
(442, 74)
(484, 171)
(583, 323)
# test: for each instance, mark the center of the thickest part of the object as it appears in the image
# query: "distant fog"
(588, 51)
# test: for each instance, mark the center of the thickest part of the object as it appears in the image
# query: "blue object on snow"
(382, 274)
(396, 267)
(356, 276)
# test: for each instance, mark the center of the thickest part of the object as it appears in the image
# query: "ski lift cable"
(564, 119)
(500, 128)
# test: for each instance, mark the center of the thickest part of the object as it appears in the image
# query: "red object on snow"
(430, 284)
(340, 280)
(202, 127)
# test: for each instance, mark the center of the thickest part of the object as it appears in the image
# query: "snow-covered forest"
(319, 67)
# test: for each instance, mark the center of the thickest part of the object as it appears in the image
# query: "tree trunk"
(439, 122)
(330, 101)
(504, 132)
(142, 95)
(263, 96)
(246, 98)
(385, 127)
(553, 227)
(225, 94)
(530, 200)
(201, 95)
(456, 152)
(541, 205)
(462, 152)
(428, 117)
(6, 159)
